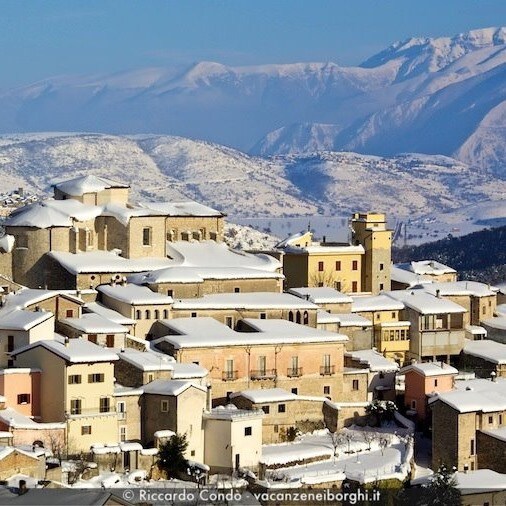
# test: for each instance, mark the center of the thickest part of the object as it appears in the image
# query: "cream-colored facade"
(80, 393)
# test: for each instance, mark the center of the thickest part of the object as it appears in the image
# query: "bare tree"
(369, 437)
(385, 442)
(336, 439)
(348, 436)
(55, 440)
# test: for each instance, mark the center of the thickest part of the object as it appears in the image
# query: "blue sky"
(42, 38)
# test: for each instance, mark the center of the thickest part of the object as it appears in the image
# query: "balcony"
(327, 370)
(229, 375)
(263, 374)
(294, 372)
(99, 410)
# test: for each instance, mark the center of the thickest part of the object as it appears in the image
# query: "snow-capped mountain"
(443, 95)
(329, 183)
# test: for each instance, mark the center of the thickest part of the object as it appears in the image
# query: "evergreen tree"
(171, 456)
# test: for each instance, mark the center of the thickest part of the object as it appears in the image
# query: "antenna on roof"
(309, 226)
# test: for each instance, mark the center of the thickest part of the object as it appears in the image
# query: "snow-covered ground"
(363, 455)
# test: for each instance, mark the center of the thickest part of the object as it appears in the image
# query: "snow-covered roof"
(343, 319)
(473, 288)
(373, 360)
(147, 360)
(29, 296)
(219, 255)
(87, 184)
(369, 303)
(491, 351)
(13, 419)
(38, 215)
(406, 276)
(499, 433)
(134, 294)
(19, 370)
(265, 395)
(246, 300)
(479, 481)
(475, 395)
(501, 309)
(321, 295)
(164, 433)
(476, 330)
(183, 208)
(232, 412)
(91, 323)
(424, 302)
(20, 319)
(122, 391)
(110, 314)
(75, 351)
(169, 387)
(206, 331)
(427, 267)
(325, 248)
(106, 262)
(430, 369)
(7, 243)
(200, 274)
(497, 322)
(294, 238)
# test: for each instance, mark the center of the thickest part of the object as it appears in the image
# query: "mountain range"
(435, 96)
(326, 183)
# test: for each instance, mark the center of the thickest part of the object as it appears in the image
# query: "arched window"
(165, 314)
(298, 319)
(148, 314)
(306, 318)
(290, 316)
(138, 314)
(157, 314)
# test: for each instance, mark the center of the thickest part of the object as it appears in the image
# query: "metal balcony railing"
(260, 374)
(229, 375)
(294, 372)
(92, 411)
(327, 370)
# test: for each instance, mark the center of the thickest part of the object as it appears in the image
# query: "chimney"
(78, 294)
(21, 191)
(66, 342)
(493, 376)
(209, 400)
(438, 293)
(324, 239)
(466, 468)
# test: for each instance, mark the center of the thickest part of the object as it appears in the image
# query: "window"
(413, 404)
(164, 406)
(276, 428)
(192, 453)
(92, 338)
(157, 314)
(237, 289)
(96, 378)
(165, 314)
(138, 314)
(229, 321)
(10, 343)
(320, 266)
(326, 390)
(148, 314)
(337, 285)
(354, 286)
(263, 316)
(290, 316)
(472, 447)
(382, 267)
(354, 265)
(123, 433)
(146, 236)
(194, 315)
(69, 313)
(121, 410)
(262, 365)
(170, 293)
(490, 418)
(500, 419)
(75, 406)
(248, 431)
(338, 265)
(435, 382)
(151, 377)
(74, 379)
(109, 340)
(85, 430)
(305, 319)
(355, 384)
(24, 399)
(105, 404)
(295, 391)
(266, 409)
(281, 408)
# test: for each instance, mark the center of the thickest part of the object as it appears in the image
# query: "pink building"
(423, 380)
(21, 389)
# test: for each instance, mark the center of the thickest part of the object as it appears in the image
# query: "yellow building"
(77, 386)
(362, 266)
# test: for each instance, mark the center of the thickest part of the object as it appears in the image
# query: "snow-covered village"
(142, 351)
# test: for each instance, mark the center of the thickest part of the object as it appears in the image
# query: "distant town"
(140, 351)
